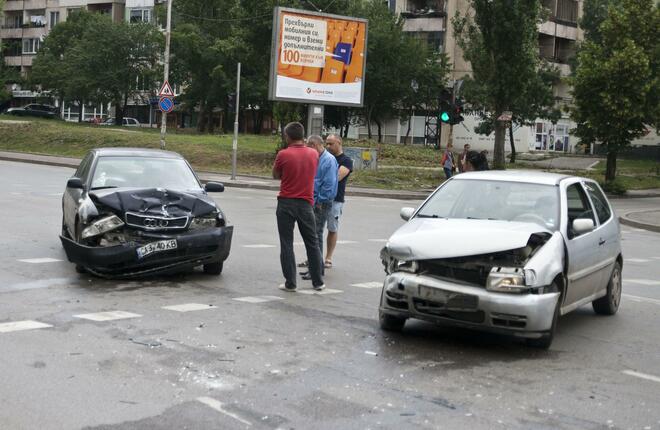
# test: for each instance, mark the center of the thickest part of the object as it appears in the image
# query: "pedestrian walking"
(334, 145)
(325, 190)
(461, 161)
(447, 161)
(475, 161)
(296, 167)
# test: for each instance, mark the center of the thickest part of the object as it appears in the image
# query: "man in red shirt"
(296, 167)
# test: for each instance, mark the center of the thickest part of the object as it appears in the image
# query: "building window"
(54, 19)
(140, 15)
(551, 138)
(433, 39)
(30, 46)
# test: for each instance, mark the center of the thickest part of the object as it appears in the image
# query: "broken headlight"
(208, 221)
(101, 226)
(410, 266)
(506, 280)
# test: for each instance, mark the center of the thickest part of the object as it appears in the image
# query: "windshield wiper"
(106, 187)
(427, 216)
(489, 219)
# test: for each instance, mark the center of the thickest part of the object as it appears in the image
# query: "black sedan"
(34, 109)
(130, 212)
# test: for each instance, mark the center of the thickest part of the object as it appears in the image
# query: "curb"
(632, 223)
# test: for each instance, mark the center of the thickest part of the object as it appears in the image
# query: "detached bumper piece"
(440, 301)
(122, 261)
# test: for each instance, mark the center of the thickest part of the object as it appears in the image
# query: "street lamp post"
(163, 125)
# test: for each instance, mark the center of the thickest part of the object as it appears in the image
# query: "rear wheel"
(213, 268)
(390, 322)
(609, 303)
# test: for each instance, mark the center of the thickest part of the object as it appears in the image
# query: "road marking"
(642, 375)
(22, 325)
(378, 240)
(218, 406)
(298, 243)
(320, 293)
(107, 316)
(257, 299)
(368, 285)
(55, 194)
(259, 245)
(188, 307)
(642, 299)
(39, 260)
(636, 260)
(16, 194)
(642, 281)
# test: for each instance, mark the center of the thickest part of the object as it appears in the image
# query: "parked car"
(127, 122)
(507, 252)
(129, 212)
(34, 109)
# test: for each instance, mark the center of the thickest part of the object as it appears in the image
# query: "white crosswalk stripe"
(39, 260)
(320, 293)
(22, 325)
(107, 316)
(188, 307)
(346, 242)
(259, 245)
(378, 240)
(368, 285)
(649, 282)
(257, 299)
(636, 260)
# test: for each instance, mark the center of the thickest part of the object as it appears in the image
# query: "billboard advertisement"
(317, 58)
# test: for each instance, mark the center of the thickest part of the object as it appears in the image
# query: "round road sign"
(166, 104)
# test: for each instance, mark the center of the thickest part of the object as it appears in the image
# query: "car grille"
(445, 269)
(155, 223)
(440, 310)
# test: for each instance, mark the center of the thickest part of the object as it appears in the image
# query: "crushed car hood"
(155, 201)
(434, 238)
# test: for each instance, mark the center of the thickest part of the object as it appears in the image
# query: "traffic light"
(456, 116)
(445, 106)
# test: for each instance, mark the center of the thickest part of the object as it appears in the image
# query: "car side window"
(599, 201)
(83, 167)
(578, 206)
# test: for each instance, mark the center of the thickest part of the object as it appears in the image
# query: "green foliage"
(616, 86)
(500, 40)
(615, 187)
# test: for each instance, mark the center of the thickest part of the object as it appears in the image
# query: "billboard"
(317, 58)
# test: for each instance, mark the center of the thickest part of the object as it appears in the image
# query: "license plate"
(161, 245)
(450, 299)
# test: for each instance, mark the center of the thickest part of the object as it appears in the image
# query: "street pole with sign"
(163, 125)
(234, 145)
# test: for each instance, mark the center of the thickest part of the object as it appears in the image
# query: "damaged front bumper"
(194, 248)
(408, 295)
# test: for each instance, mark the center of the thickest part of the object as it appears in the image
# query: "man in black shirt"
(334, 145)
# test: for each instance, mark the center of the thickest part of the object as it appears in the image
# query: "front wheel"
(213, 268)
(609, 303)
(390, 322)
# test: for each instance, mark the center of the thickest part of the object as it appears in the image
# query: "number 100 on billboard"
(317, 58)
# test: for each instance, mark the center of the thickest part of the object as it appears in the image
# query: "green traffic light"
(444, 117)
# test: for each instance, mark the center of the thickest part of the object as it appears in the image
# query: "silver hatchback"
(507, 252)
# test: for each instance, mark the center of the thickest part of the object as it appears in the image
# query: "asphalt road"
(256, 357)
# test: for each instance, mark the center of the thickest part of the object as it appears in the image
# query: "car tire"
(213, 268)
(390, 322)
(609, 303)
(80, 269)
(546, 339)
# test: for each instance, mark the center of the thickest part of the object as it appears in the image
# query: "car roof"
(528, 176)
(135, 152)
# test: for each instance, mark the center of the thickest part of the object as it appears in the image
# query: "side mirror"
(214, 187)
(582, 225)
(406, 213)
(74, 183)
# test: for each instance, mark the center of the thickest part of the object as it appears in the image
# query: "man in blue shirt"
(325, 187)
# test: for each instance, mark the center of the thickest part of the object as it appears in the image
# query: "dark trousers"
(448, 172)
(290, 211)
(321, 213)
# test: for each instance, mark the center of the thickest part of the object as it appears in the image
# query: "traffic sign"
(166, 90)
(505, 116)
(166, 104)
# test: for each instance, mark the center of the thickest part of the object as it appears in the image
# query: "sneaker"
(306, 276)
(303, 264)
(319, 287)
(283, 287)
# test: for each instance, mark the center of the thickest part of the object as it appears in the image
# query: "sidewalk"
(648, 220)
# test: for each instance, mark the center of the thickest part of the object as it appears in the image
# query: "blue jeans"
(290, 211)
(321, 213)
(447, 172)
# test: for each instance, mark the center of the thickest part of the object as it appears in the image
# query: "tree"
(500, 40)
(616, 86)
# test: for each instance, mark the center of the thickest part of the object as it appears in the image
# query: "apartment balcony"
(554, 28)
(11, 33)
(19, 60)
(34, 4)
(562, 11)
(13, 5)
(34, 32)
(424, 9)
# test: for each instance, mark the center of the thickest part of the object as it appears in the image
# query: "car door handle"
(601, 242)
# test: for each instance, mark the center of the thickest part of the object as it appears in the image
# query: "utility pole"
(234, 145)
(163, 125)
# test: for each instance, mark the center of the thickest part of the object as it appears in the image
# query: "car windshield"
(495, 200)
(144, 172)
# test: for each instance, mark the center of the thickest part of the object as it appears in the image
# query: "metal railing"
(425, 7)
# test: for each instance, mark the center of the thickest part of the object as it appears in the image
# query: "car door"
(584, 270)
(609, 243)
(72, 196)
